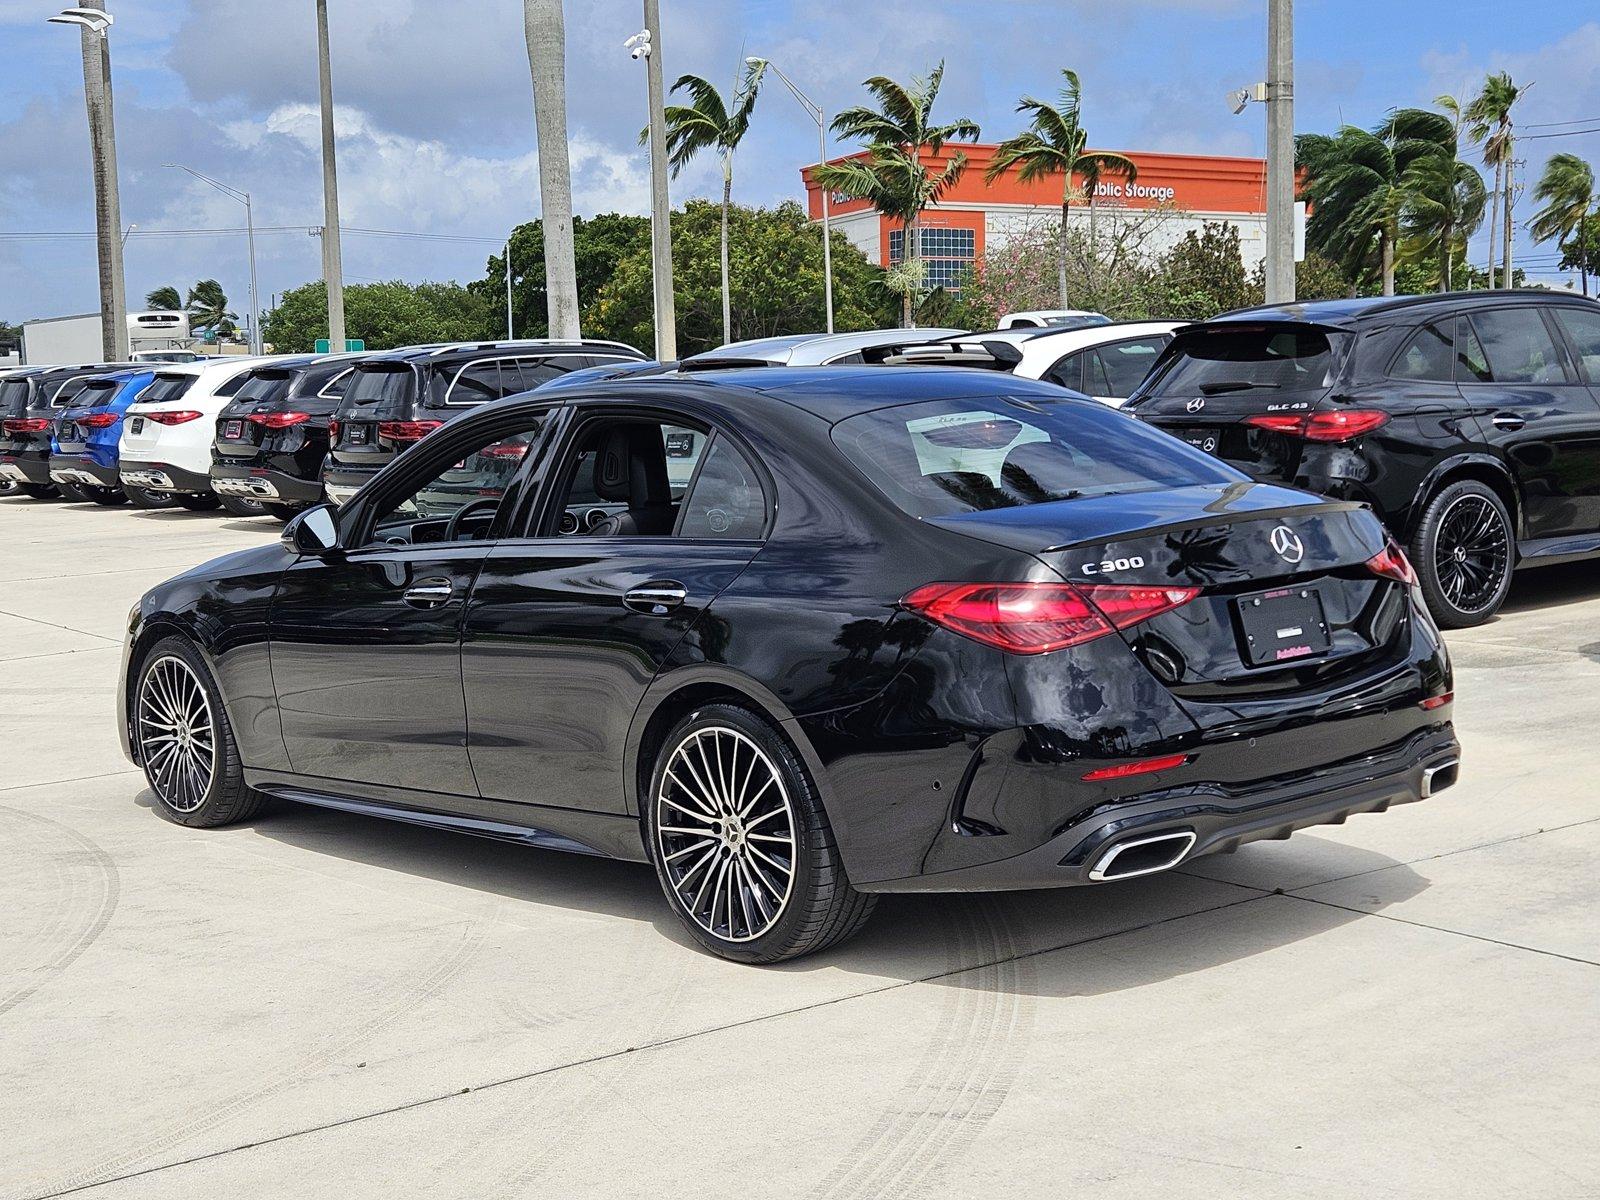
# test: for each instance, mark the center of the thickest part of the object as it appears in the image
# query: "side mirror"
(314, 531)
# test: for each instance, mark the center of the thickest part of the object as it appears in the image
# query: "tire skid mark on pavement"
(424, 987)
(966, 1070)
(88, 886)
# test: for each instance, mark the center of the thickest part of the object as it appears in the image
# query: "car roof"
(815, 349)
(1347, 313)
(1055, 342)
(447, 350)
(230, 365)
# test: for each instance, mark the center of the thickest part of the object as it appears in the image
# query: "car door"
(365, 641)
(565, 631)
(1530, 404)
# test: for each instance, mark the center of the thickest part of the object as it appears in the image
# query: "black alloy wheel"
(145, 498)
(1464, 553)
(202, 503)
(243, 506)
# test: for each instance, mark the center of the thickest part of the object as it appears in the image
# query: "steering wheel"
(461, 513)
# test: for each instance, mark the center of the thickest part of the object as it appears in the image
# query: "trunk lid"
(378, 394)
(167, 391)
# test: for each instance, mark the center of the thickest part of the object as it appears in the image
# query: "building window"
(946, 254)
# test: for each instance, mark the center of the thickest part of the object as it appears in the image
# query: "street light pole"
(1280, 152)
(815, 112)
(647, 45)
(332, 259)
(250, 234)
(93, 22)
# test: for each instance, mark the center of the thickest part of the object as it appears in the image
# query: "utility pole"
(1512, 163)
(1280, 151)
(546, 31)
(93, 22)
(660, 204)
(332, 259)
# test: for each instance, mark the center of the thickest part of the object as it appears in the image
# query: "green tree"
(165, 298)
(1444, 206)
(707, 122)
(599, 242)
(892, 177)
(384, 315)
(1204, 274)
(775, 281)
(1567, 189)
(1488, 120)
(10, 337)
(208, 308)
(1054, 144)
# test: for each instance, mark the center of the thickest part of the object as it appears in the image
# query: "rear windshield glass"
(69, 391)
(13, 397)
(264, 385)
(98, 391)
(944, 457)
(381, 384)
(1210, 364)
(167, 387)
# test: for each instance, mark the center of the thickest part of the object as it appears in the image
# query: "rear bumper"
(342, 482)
(83, 469)
(263, 483)
(25, 466)
(1213, 818)
(163, 477)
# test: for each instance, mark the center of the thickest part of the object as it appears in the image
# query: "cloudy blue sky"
(436, 125)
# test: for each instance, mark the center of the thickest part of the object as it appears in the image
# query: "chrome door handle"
(655, 599)
(430, 593)
(1508, 421)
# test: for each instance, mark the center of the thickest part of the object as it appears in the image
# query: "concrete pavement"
(1406, 1005)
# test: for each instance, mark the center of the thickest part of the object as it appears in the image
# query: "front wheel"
(1464, 551)
(243, 506)
(185, 742)
(203, 503)
(741, 845)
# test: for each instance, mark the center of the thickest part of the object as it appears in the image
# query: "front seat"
(631, 467)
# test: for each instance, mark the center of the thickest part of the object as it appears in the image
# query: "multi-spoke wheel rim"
(177, 739)
(1471, 553)
(725, 832)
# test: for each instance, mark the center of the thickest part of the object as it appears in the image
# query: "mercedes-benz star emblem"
(1196, 404)
(1288, 544)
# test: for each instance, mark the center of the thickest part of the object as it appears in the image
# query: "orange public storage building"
(1186, 190)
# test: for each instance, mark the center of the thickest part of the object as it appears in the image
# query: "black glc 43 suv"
(1469, 421)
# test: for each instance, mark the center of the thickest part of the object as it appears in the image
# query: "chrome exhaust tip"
(1439, 776)
(1159, 852)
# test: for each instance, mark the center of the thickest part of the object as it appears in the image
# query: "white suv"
(166, 438)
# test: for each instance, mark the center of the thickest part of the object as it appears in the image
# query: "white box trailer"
(77, 339)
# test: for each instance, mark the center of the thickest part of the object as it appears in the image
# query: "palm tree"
(208, 307)
(165, 298)
(1445, 205)
(708, 123)
(1567, 187)
(1054, 143)
(544, 26)
(1358, 186)
(1488, 119)
(892, 177)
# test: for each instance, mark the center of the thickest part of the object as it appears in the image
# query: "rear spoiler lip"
(1001, 352)
(1251, 326)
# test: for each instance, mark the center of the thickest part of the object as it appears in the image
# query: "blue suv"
(83, 441)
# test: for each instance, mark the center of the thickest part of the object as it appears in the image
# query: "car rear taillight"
(179, 417)
(1144, 766)
(26, 425)
(1332, 425)
(505, 450)
(278, 420)
(1035, 618)
(1391, 563)
(407, 431)
(333, 431)
(99, 420)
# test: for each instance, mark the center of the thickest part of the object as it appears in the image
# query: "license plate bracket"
(1282, 625)
(137, 425)
(1209, 440)
(357, 435)
(233, 430)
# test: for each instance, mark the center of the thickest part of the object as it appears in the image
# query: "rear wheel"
(741, 845)
(284, 512)
(106, 496)
(77, 493)
(243, 506)
(1464, 552)
(185, 741)
(39, 491)
(199, 503)
(144, 498)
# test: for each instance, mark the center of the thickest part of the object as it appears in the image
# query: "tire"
(283, 512)
(7, 486)
(199, 503)
(107, 497)
(76, 493)
(1464, 552)
(817, 907)
(39, 491)
(177, 714)
(143, 498)
(242, 506)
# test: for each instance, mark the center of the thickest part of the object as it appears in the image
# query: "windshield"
(944, 457)
(390, 382)
(167, 387)
(1213, 363)
(13, 397)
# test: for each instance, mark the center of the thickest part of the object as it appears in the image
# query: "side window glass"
(1471, 364)
(1125, 364)
(1095, 381)
(627, 478)
(1068, 372)
(478, 382)
(1426, 356)
(231, 386)
(1583, 327)
(477, 481)
(535, 371)
(1518, 346)
(726, 501)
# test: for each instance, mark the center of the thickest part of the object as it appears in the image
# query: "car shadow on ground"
(988, 942)
(1549, 587)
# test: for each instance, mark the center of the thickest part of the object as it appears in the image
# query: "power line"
(1553, 124)
(1529, 137)
(411, 234)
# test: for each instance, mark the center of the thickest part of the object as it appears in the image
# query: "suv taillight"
(26, 425)
(1391, 563)
(1035, 618)
(278, 420)
(180, 416)
(98, 420)
(1330, 425)
(407, 431)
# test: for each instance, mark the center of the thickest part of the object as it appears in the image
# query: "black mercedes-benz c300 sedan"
(799, 636)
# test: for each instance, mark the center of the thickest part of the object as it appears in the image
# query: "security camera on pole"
(646, 45)
(1283, 215)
